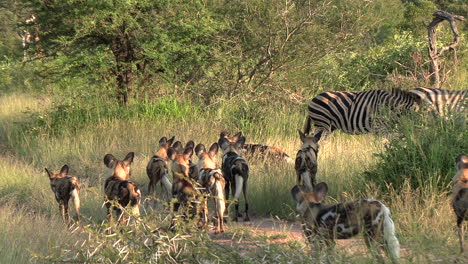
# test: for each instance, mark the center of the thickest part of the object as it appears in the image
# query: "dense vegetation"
(115, 76)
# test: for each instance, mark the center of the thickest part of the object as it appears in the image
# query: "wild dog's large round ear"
(190, 144)
(64, 170)
(223, 134)
(169, 141)
(237, 136)
(320, 191)
(213, 150)
(223, 143)
(162, 141)
(318, 135)
(461, 161)
(109, 160)
(49, 173)
(302, 136)
(171, 153)
(240, 142)
(177, 146)
(199, 149)
(188, 153)
(296, 194)
(129, 158)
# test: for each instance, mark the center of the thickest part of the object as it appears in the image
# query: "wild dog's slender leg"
(67, 214)
(460, 233)
(226, 189)
(120, 215)
(371, 237)
(151, 187)
(244, 190)
(109, 212)
(236, 203)
(62, 211)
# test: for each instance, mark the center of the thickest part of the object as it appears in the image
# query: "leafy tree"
(125, 41)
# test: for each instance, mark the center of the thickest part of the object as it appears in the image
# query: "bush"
(422, 150)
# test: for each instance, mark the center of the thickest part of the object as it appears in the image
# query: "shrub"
(422, 150)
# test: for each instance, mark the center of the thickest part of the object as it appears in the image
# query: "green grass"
(425, 222)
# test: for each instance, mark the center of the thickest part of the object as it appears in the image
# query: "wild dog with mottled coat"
(460, 195)
(64, 188)
(183, 188)
(322, 224)
(157, 167)
(212, 181)
(257, 150)
(235, 170)
(306, 161)
(118, 187)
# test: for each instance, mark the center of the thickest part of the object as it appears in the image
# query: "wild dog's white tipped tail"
(220, 204)
(167, 184)
(76, 198)
(239, 184)
(136, 207)
(389, 235)
(289, 160)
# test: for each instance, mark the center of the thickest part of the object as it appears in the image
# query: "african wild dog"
(235, 170)
(322, 224)
(64, 188)
(306, 161)
(212, 181)
(177, 146)
(118, 187)
(460, 195)
(157, 167)
(183, 188)
(259, 150)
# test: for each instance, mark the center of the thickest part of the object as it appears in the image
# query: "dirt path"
(279, 231)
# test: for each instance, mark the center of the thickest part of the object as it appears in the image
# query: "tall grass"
(423, 216)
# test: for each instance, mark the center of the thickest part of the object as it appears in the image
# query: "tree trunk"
(434, 53)
(124, 57)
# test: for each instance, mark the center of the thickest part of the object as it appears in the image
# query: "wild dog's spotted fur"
(323, 224)
(118, 188)
(64, 188)
(266, 151)
(183, 188)
(235, 169)
(212, 181)
(253, 150)
(460, 195)
(157, 167)
(306, 161)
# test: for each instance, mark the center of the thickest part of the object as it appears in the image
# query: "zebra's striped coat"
(352, 112)
(442, 101)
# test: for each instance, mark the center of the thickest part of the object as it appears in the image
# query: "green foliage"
(421, 152)
(419, 13)
(72, 114)
(10, 42)
(360, 71)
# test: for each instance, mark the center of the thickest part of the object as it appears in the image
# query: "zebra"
(442, 101)
(353, 112)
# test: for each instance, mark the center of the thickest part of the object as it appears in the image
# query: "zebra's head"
(403, 100)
